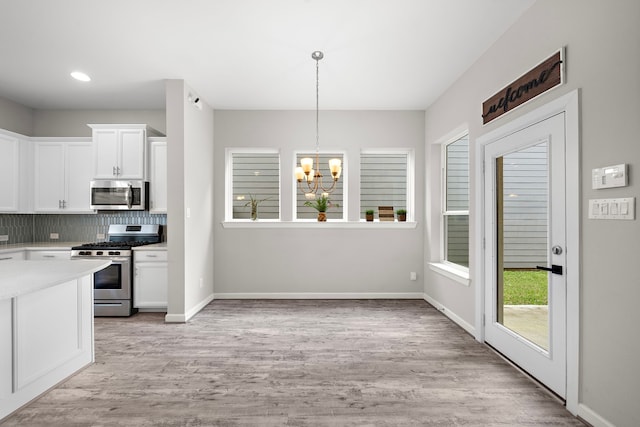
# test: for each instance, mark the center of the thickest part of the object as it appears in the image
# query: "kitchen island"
(46, 326)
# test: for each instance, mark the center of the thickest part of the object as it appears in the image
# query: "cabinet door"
(49, 255)
(49, 177)
(131, 153)
(158, 177)
(9, 174)
(151, 285)
(78, 174)
(15, 256)
(105, 153)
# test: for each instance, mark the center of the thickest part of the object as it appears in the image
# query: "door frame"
(569, 104)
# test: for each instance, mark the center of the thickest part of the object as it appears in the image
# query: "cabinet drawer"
(49, 255)
(15, 256)
(149, 256)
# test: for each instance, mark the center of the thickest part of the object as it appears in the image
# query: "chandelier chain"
(317, 105)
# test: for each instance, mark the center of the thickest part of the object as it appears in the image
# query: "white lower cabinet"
(150, 282)
(50, 255)
(14, 255)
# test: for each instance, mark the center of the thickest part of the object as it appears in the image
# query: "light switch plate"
(623, 208)
(54, 236)
(609, 176)
(4, 237)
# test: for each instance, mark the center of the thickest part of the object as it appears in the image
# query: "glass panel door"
(525, 256)
(522, 199)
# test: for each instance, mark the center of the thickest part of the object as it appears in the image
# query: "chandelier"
(305, 172)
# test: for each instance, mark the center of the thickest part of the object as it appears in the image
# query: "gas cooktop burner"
(112, 245)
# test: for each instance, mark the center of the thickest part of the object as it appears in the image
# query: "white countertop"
(22, 277)
(66, 246)
(50, 246)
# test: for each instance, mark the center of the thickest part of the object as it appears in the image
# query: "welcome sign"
(547, 75)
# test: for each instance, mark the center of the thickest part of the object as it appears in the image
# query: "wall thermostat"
(609, 177)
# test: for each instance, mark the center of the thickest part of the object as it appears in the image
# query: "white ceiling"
(243, 54)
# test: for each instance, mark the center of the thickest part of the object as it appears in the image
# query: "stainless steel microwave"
(119, 195)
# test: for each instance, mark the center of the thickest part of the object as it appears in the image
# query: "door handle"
(555, 269)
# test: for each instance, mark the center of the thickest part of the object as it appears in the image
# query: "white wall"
(74, 122)
(16, 117)
(270, 262)
(602, 60)
(190, 203)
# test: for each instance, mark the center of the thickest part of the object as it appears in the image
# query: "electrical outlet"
(54, 236)
(413, 276)
(4, 237)
(100, 236)
(201, 282)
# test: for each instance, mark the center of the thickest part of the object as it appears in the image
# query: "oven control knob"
(99, 253)
(114, 252)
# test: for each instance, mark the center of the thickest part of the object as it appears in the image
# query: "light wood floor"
(294, 363)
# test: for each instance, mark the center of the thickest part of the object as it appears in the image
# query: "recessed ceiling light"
(79, 75)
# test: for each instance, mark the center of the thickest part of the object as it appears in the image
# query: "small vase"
(402, 217)
(322, 217)
(369, 217)
(254, 212)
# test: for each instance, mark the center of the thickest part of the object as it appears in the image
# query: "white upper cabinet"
(158, 175)
(15, 152)
(9, 174)
(62, 172)
(119, 150)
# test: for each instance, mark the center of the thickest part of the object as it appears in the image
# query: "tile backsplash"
(25, 228)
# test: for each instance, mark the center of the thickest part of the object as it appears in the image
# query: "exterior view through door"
(525, 223)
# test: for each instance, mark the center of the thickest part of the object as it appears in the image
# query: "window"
(253, 185)
(336, 211)
(455, 213)
(386, 180)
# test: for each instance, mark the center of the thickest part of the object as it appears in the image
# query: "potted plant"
(254, 202)
(402, 214)
(320, 204)
(368, 214)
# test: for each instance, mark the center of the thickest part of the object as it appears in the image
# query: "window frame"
(410, 184)
(456, 268)
(228, 197)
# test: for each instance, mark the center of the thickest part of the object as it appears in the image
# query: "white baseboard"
(175, 318)
(592, 417)
(316, 295)
(451, 315)
(184, 318)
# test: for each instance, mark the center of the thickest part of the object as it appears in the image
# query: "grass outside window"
(525, 287)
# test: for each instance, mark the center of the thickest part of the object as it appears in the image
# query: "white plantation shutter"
(526, 193)
(456, 202)
(383, 181)
(257, 175)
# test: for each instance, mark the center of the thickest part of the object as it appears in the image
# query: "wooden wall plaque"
(548, 74)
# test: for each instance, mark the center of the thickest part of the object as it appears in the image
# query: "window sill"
(453, 273)
(316, 224)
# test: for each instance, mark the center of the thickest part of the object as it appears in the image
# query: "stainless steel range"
(113, 286)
